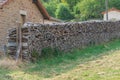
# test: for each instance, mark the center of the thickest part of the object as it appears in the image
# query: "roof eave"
(42, 9)
(112, 9)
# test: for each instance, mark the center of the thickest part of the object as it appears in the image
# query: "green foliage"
(63, 12)
(114, 3)
(60, 64)
(89, 9)
(35, 55)
(51, 8)
(76, 65)
(49, 52)
(4, 74)
(72, 3)
(78, 9)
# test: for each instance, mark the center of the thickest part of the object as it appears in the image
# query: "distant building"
(113, 14)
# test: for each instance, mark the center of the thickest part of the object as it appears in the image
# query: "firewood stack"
(13, 43)
(64, 36)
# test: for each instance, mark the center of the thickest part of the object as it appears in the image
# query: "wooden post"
(106, 4)
(17, 37)
(43, 20)
(19, 42)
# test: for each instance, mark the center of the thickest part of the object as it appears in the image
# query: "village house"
(113, 14)
(13, 12)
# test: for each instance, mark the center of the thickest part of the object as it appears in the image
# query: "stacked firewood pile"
(13, 43)
(64, 36)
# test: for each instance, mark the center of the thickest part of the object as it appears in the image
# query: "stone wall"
(67, 36)
(10, 16)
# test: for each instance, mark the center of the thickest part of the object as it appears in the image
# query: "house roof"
(38, 4)
(42, 9)
(112, 9)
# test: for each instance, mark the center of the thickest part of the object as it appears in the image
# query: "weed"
(49, 52)
(35, 55)
(60, 64)
(75, 65)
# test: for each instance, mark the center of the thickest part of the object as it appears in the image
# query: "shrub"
(35, 55)
(49, 52)
(63, 12)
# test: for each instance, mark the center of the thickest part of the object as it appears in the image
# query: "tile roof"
(112, 9)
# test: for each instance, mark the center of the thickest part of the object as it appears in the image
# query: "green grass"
(60, 64)
(55, 66)
(3, 74)
(104, 68)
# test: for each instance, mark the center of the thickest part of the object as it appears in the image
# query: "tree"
(80, 9)
(51, 8)
(89, 9)
(114, 3)
(63, 12)
(72, 3)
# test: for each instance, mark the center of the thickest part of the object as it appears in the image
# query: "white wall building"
(113, 14)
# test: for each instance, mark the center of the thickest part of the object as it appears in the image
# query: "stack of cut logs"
(62, 36)
(14, 41)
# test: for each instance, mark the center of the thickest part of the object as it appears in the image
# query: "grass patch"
(4, 74)
(50, 67)
(50, 52)
(68, 63)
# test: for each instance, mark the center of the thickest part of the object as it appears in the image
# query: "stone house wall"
(10, 16)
